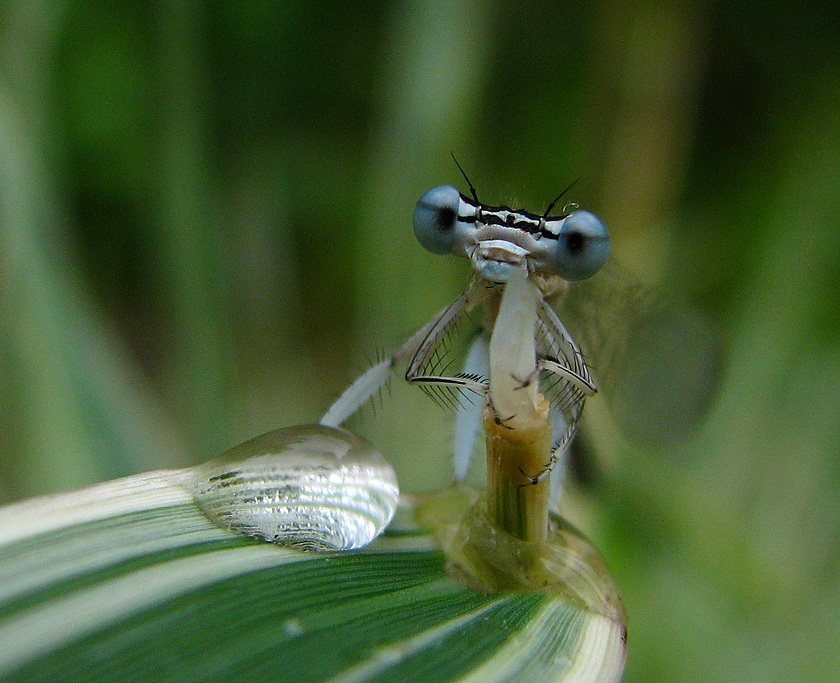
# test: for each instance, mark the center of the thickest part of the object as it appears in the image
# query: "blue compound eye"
(436, 217)
(583, 245)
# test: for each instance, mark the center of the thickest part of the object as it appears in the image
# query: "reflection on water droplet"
(308, 486)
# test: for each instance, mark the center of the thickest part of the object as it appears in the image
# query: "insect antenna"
(556, 199)
(469, 182)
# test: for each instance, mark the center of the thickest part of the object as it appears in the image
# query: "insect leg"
(367, 384)
(567, 383)
(560, 354)
(468, 420)
(425, 366)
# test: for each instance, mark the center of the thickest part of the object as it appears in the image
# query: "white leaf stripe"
(246, 618)
(128, 540)
(428, 654)
(531, 652)
(140, 492)
(33, 632)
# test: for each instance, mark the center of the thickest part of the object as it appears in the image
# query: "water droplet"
(307, 486)
(292, 627)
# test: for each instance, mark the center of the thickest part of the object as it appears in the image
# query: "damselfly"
(502, 244)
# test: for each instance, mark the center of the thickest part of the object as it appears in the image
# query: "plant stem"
(515, 453)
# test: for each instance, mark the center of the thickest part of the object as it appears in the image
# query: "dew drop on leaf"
(307, 486)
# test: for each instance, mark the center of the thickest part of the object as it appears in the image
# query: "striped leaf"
(129, 581)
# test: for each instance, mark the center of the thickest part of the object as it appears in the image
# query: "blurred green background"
(205, 234)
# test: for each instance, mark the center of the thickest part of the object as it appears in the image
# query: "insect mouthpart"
(495, 259)
(502, 251)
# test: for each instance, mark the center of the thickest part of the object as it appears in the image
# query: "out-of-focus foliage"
(204, 234)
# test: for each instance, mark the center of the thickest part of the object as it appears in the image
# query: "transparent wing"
(657, 362)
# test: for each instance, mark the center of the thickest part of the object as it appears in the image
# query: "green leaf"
(128, 580)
